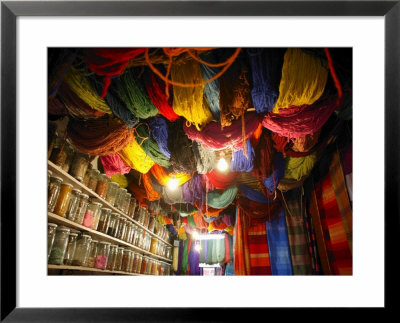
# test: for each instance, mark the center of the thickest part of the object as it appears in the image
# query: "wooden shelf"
(101, 236)
(57, 171)
(79, 268)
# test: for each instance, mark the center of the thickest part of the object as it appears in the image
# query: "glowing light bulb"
(172, 183)
(195, 235)
(197, 247)
(222, 164)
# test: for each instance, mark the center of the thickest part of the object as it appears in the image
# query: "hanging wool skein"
(189, 102)
(159, 131)
(271, 182)
(205, 158)
(303, 80)
(132, 93)
(163, 178)
(149, 145)
(234, 92)
(156, 90)
(253, 194)
(241, 163)
(116, 105)
(219, 200)
(76, 107)
(300, 121)
(135, 157)
(151, 193)
(110, 62)
(264, 157)
(296, 168)
(120, 179)
(82, 88)
(56, 107)
(220, 180)
(100, 136)
(113, 164)
(257, 212)
(215, 138)
(182, 158)
(192, 189)
(211, 89)
(266, 67)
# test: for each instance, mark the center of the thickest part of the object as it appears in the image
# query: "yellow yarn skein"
(188, 102)
(82, 88)
(297, 167)
(135, 157)
(120, 179)
(303, 80)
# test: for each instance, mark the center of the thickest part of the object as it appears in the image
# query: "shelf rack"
(79, 268)
(101, 236)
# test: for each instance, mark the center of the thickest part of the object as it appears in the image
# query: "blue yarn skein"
(159, 131)
(241, 163)
(271, 182)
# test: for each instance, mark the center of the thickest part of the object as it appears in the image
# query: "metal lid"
(86, 236)
(105, 242)
(84, 195)
(114, 183)
(52, 225)
(63, 228)
(97, 203)
(73, 234)
(123, 189)
(67, 184)
(77, 190)
(95, 171)
(57, 178)
(95, 241)
(106, 209)
(49, 171)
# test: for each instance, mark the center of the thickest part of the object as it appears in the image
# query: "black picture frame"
(10, 10)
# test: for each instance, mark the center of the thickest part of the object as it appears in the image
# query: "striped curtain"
(278, 245)
(258, 248)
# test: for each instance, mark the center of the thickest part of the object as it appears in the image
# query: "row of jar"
(71, 203)
(72, 248)
(118, 197)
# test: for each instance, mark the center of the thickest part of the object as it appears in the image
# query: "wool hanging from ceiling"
(135, 157)
(100, 136)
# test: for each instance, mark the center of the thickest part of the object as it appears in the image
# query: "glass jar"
(102, 255)
(81, 209)
(86, 178)
(49, 174)
(102, 185)
(162, 269)
(133, 262)
(51, 232)
(53, 192)
(119, 202)
(149, 266)
(143, 265)
(112, 257)
(59, 152)
(63, 199)
(135, 235)
(128, 231)
(112, 192)
(69, 151)
(73, 204)
(114, 224)
(132, 207)
(168, 252)
(121, 228)
(154, 270)
(118, 261)
(126, 259)
(146, 219)
(156, 227)
(59, 246)
(154, 245)
(137, 214)
(71, 247)
(92, 215)
(93, 179)
(140, 238)
(92, 253)
(79, 165)
(138, 265)
(127, 201)
(104, 220)
(82, 250)
(152, 223)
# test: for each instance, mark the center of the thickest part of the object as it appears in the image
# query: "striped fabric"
(278, 245)
(294, 211)
(240, 249)
(259, 252)
(336, 218)
(312, 244)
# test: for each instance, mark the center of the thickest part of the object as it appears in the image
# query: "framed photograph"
(29, 28)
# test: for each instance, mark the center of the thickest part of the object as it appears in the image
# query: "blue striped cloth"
(278, 244)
